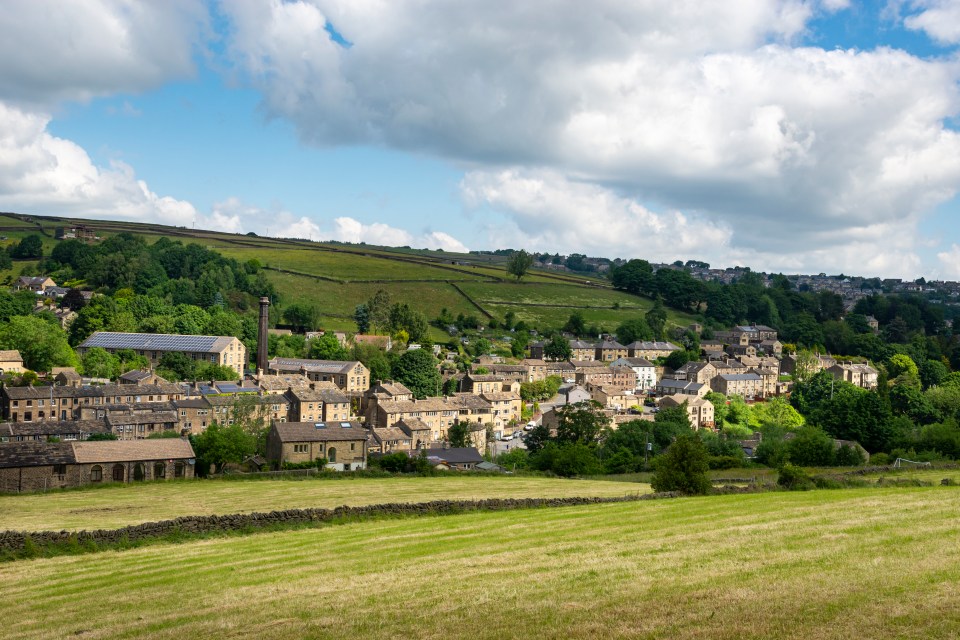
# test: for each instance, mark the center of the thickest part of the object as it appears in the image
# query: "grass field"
(120, 505)
(868, 563)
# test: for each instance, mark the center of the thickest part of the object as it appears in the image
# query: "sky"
(794, 136)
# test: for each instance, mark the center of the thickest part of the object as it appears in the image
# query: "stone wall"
(16, 540)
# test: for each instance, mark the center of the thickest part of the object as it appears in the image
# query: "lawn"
(866, 563)
(120, 505)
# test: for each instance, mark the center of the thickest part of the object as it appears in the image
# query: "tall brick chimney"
(262, 336)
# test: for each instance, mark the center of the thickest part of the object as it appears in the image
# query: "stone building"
(226, 351)
(342, 444)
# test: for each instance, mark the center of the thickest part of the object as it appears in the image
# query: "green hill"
(337, 277)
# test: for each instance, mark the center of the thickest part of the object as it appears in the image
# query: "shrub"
(879, 459)
(683, 467)
(794, 478)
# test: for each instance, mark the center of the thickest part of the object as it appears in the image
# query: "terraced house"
(225, 351)
(343, 444)
(439, 414)
(352, 377)
(55, 403)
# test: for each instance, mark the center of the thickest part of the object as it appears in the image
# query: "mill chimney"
(262, 337)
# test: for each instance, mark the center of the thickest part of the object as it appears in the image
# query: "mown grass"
(868, 563)
(116, 506)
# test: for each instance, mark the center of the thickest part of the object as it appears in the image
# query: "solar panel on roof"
(154, 341)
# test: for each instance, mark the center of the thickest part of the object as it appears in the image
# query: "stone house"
(318, 404)
(746, 385)
(645, 371)
(610, 350)
(193, 414)
(57, 403)
(437, 413)
(37, 466)
(700, 411)
(667, 387)
(457, 459)
(650, 350)
(352, 377)
(11, 361)
(860, 375)
(614, 398)
(37, 284)
(41, 431)
(226, 351)
(504, 407)
(582, 350)
(701, 372)
(343, 444)
(536, 367)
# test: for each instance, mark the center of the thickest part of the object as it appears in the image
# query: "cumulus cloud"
(553, 214)
(53, 51)
(939, 19)
(43, 173)
(790, 146)
(346, 229)
(950, 262)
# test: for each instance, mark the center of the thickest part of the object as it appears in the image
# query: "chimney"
(262, 337)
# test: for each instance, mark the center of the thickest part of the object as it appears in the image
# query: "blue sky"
(803, 136)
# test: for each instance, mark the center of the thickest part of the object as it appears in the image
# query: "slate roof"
(310, 432)
(132, 450)
(317, 366)
(92, 391)
(455, 455)
(57, 428)
(35, 454)
(732, 377)
(157, 342)
(646, 345)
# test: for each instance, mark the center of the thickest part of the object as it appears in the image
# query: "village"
(69, 430)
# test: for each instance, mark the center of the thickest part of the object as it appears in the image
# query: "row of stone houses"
(610, 350)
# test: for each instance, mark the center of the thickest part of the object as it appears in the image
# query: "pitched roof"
(157, 342)
(317, 366)
(732, 377)
(10, 355)
(455, 455)
(646, 345)
(132, 450)
(52, 428)
(35, 454)
(319, 431)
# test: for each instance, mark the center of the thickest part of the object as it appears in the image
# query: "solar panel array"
(150, 341)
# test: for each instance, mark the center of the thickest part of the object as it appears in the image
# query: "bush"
(880, 459)
(683, 467)
(724, 462)
(794, 478)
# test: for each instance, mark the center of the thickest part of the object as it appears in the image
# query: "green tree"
(175, 365)
(635, 276)
(557, 348)
(361, 315)
(683, 467)
(41, 344)
(576, 324)
(29, 248)
(99, 363)
(458, 434)
(417, 369)
(582, 422)
(219, 445)
(519, 263)
(327, 347)
(302, 316)
(656, 319)
(633, 330)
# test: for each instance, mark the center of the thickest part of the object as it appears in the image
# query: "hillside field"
(118, 505)
(338, 277)
(865, 563)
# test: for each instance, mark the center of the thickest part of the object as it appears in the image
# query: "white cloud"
(950, 262)
(939, 19)
(346, 229)
(791, 147)
(53, 51)
(42, 173)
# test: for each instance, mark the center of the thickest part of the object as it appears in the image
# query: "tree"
(633, 330)
(378, 311)
(41, 344)
(361, 315)
(219, 444)
(99, 363)
(302, 316)
(656, 319)
(29, 248)
(582, 422)
(458, 434)
(557, 348)
(576, 324)
(327, 347)
(634, 276)
(417, 369)
(177, 366)
(537, 438)
(519, 263)
(677, 359)
(683, 467)
(73, 300)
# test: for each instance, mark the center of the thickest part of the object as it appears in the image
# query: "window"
(300, 448)
(159, 470)
(96, 473)
(118, 472)
(178, 470)
(59, 469)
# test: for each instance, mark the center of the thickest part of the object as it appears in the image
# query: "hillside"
(337, 277)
